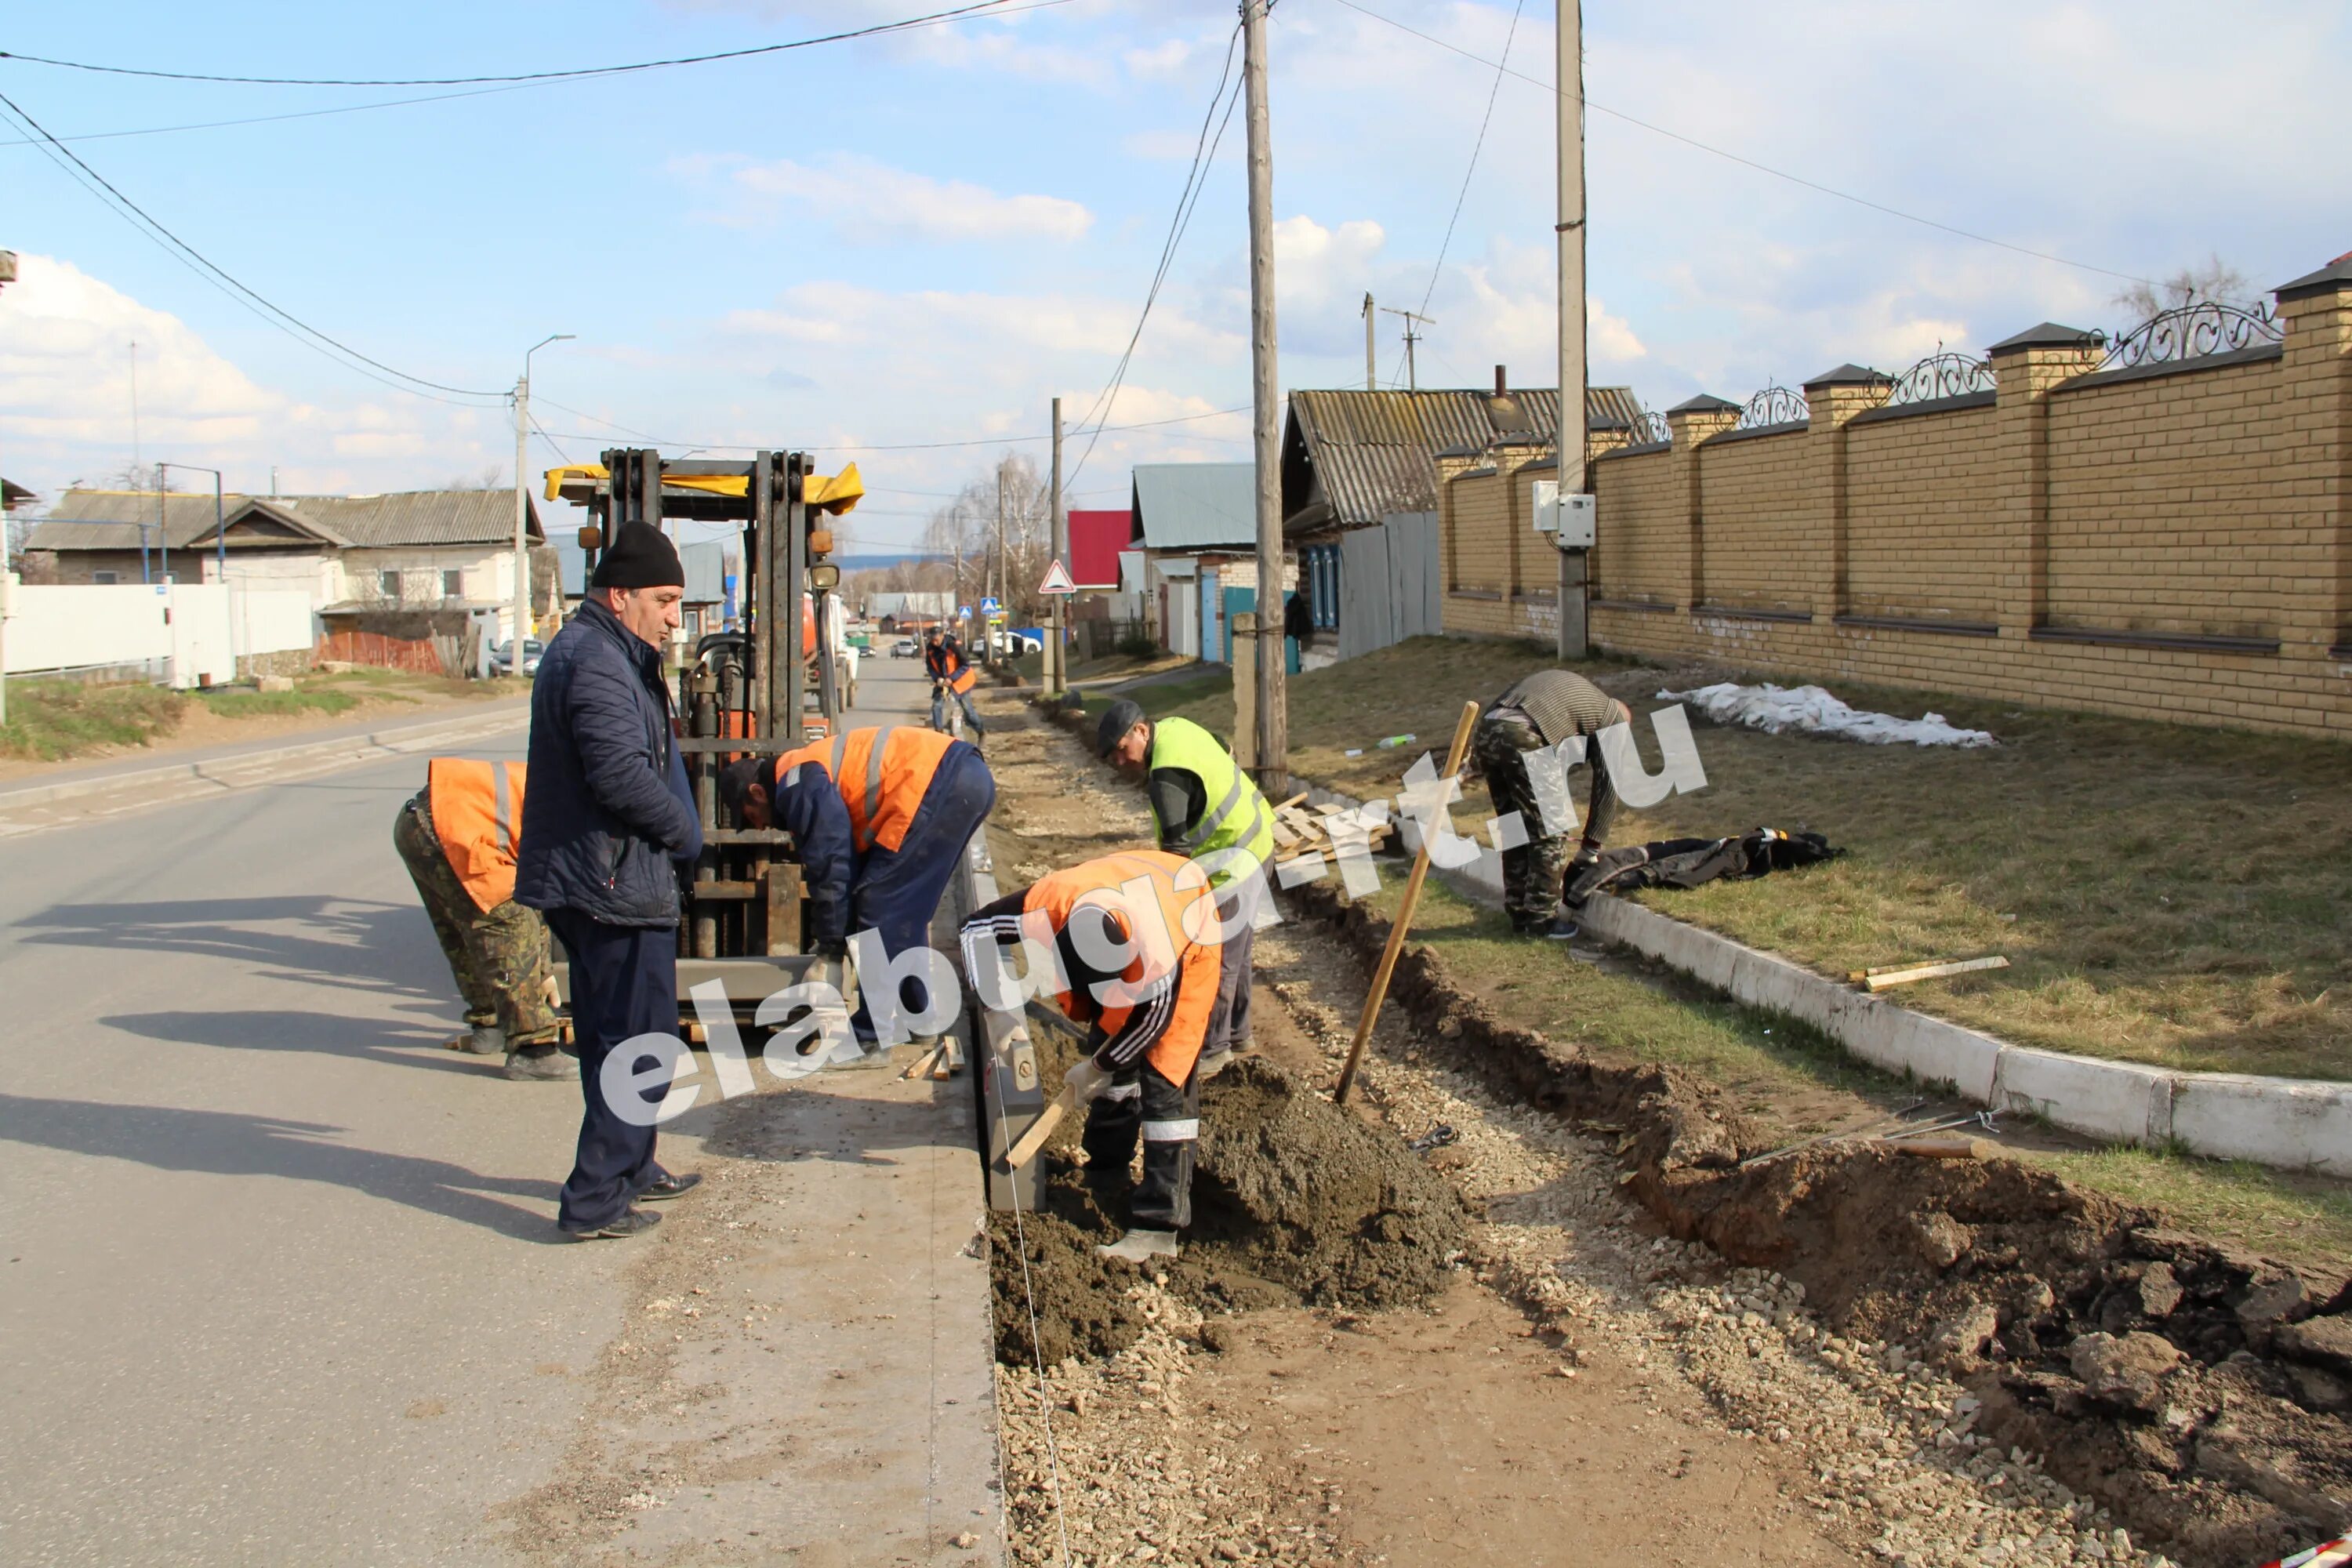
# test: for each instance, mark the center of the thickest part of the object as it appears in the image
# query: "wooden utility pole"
(1573, 371)
(1273, 711)
(1058, 533)
(1412, 370)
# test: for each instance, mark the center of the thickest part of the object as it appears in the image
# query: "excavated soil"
(1295, 1203)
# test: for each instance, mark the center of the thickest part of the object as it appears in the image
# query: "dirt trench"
(1976, 1362)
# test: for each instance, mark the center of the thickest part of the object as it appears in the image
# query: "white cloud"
(868, 201)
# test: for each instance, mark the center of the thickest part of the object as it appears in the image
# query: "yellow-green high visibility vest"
(1236, 814)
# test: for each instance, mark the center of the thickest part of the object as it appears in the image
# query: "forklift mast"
(742, 693)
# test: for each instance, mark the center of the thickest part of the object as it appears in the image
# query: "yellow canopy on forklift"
(834, 493)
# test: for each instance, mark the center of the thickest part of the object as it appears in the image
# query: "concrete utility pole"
(1372, 363)
(522, 505)
(1273, 710)
(1000, 579)
(1058, 534)
(1573, 371)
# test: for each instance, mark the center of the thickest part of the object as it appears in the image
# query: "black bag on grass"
(1692, 862)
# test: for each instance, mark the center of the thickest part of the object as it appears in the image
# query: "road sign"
(1057, 581)
(963, 612)
(988, 606)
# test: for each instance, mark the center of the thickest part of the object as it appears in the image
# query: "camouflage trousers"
(499, 957)
(1532, 873)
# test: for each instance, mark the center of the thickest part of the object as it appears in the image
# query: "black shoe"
(1554, 929)
(632, 1222)
(669, 1187)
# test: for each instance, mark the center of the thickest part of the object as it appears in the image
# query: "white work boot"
(1140, 1247)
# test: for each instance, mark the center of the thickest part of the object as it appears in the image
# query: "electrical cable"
(527, 78)
(1476, 148)
(277, 316)
(869, 447)
(1553, 88)
(269, 118)
(1205, 154)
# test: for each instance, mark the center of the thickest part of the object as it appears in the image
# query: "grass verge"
(2165, 894)
(52, 720)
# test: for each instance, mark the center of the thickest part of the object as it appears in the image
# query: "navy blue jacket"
(608, 806)
(806, 803)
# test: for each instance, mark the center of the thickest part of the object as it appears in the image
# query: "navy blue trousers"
(624, 985)
(897, 891)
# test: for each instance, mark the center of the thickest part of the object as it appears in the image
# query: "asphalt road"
(279, 1276)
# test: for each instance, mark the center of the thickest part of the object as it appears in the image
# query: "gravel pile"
(1139, 1477)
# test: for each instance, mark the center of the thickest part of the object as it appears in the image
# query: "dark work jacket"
(608, 807)
(806, 804)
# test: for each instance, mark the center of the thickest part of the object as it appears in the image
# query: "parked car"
(502, 656)
(905, 647)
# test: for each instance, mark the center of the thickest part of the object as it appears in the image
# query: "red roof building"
(1096, 540)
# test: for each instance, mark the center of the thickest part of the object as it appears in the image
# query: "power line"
(272, 119)
(67, 159)
(527, 77)
(1196, 180)
(1476, 148)
(1750, 162)
(867, 446)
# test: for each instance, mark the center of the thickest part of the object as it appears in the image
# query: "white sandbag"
(1809, 710)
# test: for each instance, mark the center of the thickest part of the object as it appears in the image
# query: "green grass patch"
(50, 721)
(244, 703)
(2302, 1220)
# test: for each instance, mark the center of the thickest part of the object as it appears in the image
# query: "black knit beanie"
(641, 557)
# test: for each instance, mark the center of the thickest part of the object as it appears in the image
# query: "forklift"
(770, 688)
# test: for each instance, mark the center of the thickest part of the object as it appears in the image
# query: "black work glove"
(835, 948)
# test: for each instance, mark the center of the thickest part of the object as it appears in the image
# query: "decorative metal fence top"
(1941, 376)
(2191, 331)
(1651, 429)
(1774, 406)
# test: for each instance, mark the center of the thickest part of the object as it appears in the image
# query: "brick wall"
(2170, 541)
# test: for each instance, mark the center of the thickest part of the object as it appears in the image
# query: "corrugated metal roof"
(110, 520)
(1196, 506)
(1367, 454)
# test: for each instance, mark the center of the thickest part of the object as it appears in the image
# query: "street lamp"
(522, 504)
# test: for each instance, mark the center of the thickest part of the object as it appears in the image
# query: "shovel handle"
(1023, 1152)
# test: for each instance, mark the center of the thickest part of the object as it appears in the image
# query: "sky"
(880, 248)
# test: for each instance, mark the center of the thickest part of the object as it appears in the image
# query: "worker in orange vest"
(952, 676)
(879, 817)
(1135, 941)
(458, 835)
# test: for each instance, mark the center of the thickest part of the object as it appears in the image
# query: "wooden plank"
(718, 889)
(1883, 979)
(784, 881)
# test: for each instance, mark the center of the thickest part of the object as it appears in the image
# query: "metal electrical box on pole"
(1272, 712)
(1573, 560)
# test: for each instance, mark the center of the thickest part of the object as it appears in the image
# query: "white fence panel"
(188, 632)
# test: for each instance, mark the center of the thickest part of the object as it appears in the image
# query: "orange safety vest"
(962, 677)
(882, 774)
(1187, 911)
(477, 814)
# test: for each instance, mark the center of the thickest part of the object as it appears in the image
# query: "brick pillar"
(2024, 368)
(2314, 450)
(1692, 423)
(1832, 399)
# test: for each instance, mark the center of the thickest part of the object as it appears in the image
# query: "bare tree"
(2212, 281)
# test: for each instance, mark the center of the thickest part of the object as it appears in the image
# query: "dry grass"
(2165, 894)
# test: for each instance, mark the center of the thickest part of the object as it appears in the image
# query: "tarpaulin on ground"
(1693, 862)
(834, 493)
(1809, 710)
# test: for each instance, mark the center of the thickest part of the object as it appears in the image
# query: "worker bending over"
(1534, 713)
(879, 819)
(458, 837)
(952, 676)
(1206, 808)
(1134, 955)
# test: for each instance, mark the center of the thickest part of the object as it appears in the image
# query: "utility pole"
(1059, 537)
(1004, 573)
(1372, 360)
(7, 582)
(522, 506)
(1273, 711)
(1411, 373)
(1572, 369)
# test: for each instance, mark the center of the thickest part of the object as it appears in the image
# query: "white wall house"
(411, 550)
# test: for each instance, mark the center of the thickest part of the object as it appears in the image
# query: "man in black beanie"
(610, 813)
